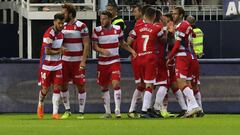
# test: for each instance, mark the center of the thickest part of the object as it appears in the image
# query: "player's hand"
(168, 62)
(106, 52)
(82, 65)
(63, 49)
(134, 54)
(164, 20)
(170, 27)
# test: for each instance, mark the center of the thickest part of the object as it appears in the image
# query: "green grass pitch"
(28, 124)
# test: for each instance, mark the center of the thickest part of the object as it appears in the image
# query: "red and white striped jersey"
(108, 39)
(73, 34)
(52, 40)
(183, 32)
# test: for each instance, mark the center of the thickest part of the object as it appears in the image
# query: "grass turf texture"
(28, 124)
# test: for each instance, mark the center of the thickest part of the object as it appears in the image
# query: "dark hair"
(113, 5)
(70, 9)
(59, 16)
(138, 6)
(144, 8)
(180, 10)
(150, 12)
(169, 15)
(158, 15)
(107, 13)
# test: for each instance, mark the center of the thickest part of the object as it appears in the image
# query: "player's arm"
(131, 38)
(50, 51)
(96, 45)
(178, 38)
(100, 50)
(162, 34)
(86, 44)
(47, 42)
(127, 47)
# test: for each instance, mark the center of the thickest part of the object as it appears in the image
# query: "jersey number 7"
(146, 38)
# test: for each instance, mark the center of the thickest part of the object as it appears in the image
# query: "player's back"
(160, 45)
(146, 36)
(138, 22)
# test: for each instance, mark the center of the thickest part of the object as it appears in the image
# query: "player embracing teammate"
(65, 49)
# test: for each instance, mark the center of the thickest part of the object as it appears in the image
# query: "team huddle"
(162, 57)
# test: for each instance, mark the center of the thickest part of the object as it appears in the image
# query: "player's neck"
(148, 21)
(72, 21)
(55, 30)
(108, 27)
(179, 21)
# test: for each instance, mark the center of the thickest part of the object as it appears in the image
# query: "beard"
(67, 19)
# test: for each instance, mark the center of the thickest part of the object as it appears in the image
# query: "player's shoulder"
(116, 27)
(98, 29)
(158, 25)
(139, 22)
(79, 23)
(49, 32)
(184, 24)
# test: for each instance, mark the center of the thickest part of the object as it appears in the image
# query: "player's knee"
(104, 88)
(57, 87)
(181, 83)
(81, 89)
(116, 88)
(115, 84)
(140, 88)
(195, 91)
(149, 89)
(44, 90)
(56, 91)
(64, 88)
(174, 90)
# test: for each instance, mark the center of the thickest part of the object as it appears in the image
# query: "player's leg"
(197, 94)
(138, 92)
(56, 100)
(81, 100)
(147, 98)
(177, 92)
(45, 85)
(106, 102)
(65, 99)
(64, 91)
(79, 80)
(42, 93)
(103, 80)
(196, 85)
(160, 95)
(180, 98)
(162, 81)
(148, 74)
(115, 77)
(57, 86)
(137, 95)
(182, 72)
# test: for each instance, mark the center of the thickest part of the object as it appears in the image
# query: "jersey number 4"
(146, 38)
